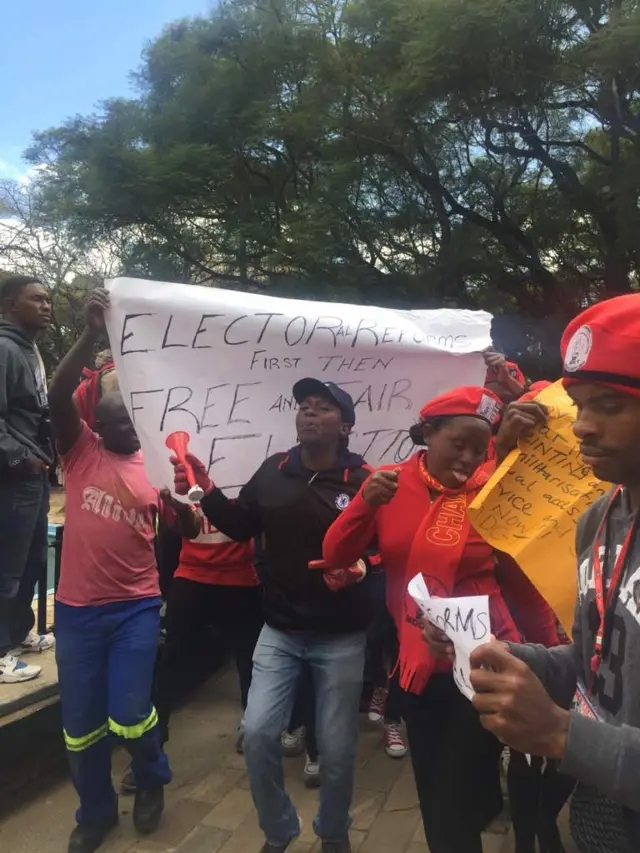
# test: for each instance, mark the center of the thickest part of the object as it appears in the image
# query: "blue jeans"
(106, 656)
(336, 663)
(23, 553)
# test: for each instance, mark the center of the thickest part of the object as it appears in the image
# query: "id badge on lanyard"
(606, 594)
(584, 704)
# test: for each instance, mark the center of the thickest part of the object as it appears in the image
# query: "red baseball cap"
(602, 345)
(469, 401)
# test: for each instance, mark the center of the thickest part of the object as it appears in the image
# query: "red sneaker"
(377, 704)
(394, 743)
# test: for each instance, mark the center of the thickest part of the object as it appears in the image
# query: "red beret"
(469, 400)
(512, 369)
(603, 345)
(537, 387)
(534, 389)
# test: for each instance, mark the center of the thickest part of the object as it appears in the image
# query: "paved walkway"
(209, 808)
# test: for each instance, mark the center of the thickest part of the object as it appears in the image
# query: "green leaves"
(473, 152)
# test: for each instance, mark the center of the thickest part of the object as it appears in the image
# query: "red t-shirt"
(108, 546)
(215, 559)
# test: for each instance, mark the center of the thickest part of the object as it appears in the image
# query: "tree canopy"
(472, 153)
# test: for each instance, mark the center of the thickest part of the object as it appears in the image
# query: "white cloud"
(16, 170)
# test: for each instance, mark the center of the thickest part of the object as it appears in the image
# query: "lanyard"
(604, 600)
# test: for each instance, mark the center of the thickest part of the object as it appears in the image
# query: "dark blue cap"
(316, 388)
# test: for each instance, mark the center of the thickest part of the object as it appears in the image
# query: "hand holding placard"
(465, 621)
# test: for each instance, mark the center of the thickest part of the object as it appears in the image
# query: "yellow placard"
(531, 505)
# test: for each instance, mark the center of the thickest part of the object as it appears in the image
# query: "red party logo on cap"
(578, 349)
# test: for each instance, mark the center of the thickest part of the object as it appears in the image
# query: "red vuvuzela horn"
(178, 442)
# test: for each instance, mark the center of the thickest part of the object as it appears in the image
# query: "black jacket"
(24, 427)
(292, 508)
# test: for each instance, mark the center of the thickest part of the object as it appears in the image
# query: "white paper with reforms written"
(221, 364)
(466, 622)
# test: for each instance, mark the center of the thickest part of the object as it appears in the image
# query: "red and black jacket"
(291, 508)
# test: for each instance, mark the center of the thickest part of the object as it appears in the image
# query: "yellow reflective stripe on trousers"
(130, 732)
(78, 744)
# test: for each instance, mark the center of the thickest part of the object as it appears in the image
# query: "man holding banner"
(523, 691)
(108, 600)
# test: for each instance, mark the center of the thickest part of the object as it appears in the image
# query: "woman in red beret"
(417, 511)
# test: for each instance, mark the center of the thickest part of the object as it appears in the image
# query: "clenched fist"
(520, 419)
(381, 487)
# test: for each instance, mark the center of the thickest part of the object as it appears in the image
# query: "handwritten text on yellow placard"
(531, 505)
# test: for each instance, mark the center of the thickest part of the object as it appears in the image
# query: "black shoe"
(550, 841)
(278, 848)
(86, 838)
(147, 809)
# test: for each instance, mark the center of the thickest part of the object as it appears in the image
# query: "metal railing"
(42, 589)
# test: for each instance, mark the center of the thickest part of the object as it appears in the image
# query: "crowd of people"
(306, 573)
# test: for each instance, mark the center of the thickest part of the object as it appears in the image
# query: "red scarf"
(438, 544)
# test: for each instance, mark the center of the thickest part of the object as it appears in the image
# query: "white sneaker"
(35, 642)
(311, 773)
(12, 669)
(293, 742)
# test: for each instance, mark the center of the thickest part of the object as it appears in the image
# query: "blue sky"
(61, 58)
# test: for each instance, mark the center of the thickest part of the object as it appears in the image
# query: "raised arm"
(354, 529)
(519, 419)
(65, 419)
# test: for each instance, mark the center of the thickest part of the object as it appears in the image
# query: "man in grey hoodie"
(25, 455)
(581, 703)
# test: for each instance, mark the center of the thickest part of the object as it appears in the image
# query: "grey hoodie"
(603, 754)
(23, 400)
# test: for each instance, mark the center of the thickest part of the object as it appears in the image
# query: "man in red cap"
(523, 691)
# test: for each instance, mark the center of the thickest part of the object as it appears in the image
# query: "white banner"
(221, 364)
